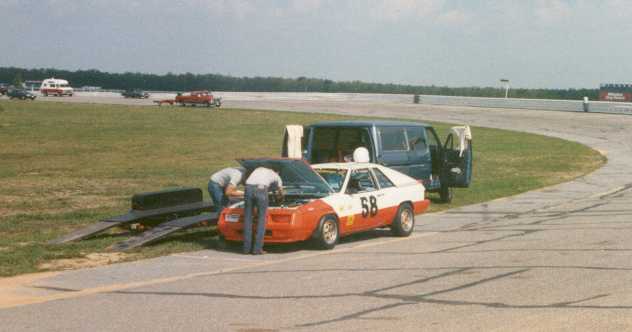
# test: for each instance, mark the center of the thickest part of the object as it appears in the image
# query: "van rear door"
(293, 142)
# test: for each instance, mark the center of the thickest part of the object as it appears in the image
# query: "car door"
(363, 192)
(388, 199)
(458, 154)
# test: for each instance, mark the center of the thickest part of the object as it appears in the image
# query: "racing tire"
(445, 194)
(404, 222)
(327, 234)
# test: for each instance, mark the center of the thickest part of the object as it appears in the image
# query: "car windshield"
(334, 177)
(297, 176)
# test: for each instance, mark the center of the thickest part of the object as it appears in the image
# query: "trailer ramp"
(165, 229)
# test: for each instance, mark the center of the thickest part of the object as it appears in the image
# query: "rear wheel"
(327, 235)
(404, 222)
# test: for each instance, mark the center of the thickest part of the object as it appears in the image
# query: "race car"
(324, 202)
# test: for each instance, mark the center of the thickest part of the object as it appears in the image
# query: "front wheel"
(327, 235)
(404, 222)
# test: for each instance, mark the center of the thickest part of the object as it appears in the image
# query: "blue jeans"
(255, 197)
(220, 200)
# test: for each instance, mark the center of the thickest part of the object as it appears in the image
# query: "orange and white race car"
(324, 202)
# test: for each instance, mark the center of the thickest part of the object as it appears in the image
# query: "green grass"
(67, 165)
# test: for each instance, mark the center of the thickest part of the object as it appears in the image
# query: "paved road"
(553, 259)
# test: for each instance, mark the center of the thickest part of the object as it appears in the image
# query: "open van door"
(293, 142)
(458, 158)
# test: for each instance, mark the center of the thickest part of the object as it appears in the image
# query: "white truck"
(56, 87)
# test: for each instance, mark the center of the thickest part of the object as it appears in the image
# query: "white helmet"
(361, 155)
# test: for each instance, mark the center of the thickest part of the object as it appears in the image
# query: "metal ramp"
(163, 230)
(172, 203)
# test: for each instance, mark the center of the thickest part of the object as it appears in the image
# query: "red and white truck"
(56, 87)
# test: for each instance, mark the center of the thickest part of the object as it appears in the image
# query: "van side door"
(393, 148)
(458, 153)
(419, 159)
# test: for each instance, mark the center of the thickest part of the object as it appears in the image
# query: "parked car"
(135, 93)
(327, 201)
(56, 87)
(411, 148)
(194, 98)
(20, 94)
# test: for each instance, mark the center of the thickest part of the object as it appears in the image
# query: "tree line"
(189, 82)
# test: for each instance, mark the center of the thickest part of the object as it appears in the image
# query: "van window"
(338, 144)
(324, 145)
(393, 139)
(432, 139)
(417, 139)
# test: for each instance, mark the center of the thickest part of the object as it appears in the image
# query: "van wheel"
(445, 194)
(404, 222)
(327, 234)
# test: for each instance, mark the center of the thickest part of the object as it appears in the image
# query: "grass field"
(67, 165)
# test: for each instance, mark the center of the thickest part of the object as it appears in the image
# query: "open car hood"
(298, 177)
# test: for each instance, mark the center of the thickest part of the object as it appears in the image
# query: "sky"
(533, 43)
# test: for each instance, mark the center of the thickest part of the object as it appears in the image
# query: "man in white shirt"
(223, 185)
(260, 181)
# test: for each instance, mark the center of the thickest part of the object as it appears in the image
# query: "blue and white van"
(412, 148)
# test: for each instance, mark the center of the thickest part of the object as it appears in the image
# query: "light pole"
(506, 83)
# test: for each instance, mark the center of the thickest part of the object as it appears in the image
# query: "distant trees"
(18, 81)
(189, 81)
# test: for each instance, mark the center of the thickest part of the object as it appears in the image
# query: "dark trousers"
(255, 197)
(216, 192)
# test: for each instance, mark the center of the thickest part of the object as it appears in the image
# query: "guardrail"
(532, 104)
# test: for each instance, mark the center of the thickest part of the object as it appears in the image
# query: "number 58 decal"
(370, 208)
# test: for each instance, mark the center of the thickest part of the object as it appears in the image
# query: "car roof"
(368, 123)
(349, 165)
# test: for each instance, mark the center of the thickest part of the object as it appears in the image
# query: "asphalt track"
(553, 259)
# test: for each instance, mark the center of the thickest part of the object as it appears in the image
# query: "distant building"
(615, 92)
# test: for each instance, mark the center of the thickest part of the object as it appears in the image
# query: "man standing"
(223, 185)
(258, 184)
